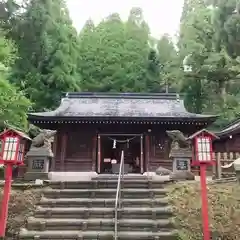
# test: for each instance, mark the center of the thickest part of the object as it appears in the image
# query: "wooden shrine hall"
(93, 129)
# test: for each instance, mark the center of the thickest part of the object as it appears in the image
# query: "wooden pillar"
(218, 165)
(94, 148)
(147, 152)
(141, 156)
(63, 150)
(99, 154)
(53, 163)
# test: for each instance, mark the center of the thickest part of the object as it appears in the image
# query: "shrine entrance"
(109, 151)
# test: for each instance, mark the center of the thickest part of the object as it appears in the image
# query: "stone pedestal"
(237, 168)
(38, 161)
(181, 159)
(181, 164)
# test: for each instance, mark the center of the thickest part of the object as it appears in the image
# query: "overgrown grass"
(224, 210)
(22, 205)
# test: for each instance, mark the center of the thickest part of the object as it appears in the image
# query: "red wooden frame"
(8, 172)
(197, 150)
(203, 166)
(15, 160)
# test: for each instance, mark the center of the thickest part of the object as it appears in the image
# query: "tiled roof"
(126, 105)
(230, 128)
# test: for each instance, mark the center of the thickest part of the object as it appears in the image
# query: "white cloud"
(162, 15)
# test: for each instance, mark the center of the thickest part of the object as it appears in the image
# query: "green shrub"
(224, 210)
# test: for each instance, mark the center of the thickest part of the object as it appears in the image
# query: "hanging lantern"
(13, 147)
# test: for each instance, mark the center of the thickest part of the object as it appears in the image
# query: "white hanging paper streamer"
(114, 143)
(127, 143)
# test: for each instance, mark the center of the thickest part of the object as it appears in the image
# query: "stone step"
(102, 202)
(86, 213)
(41, 224)
(96, 184)
(94, 235)
(125, 177)
(104, 193)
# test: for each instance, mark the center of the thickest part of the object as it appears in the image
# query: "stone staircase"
(85, 210)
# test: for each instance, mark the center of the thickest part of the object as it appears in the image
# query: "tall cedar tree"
(48, 50)
(115, 55)
(208, 38)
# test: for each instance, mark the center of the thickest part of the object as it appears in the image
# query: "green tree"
(48, 49)
(169, 63)
(205, 40)
(116, 56)
(13, 104)
(153, 81)
(139, 54)
(195, 43)
(101, 50)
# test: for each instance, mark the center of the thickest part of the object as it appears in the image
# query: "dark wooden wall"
(227, 144)
(74, 149)
(159, 152)
(75, 145)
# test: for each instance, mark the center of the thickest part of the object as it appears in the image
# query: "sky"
(162, 15)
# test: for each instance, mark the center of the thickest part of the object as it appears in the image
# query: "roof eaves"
(173, 96)
(230, 128)
(180, 118)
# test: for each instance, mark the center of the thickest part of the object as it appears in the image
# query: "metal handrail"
(118, 195)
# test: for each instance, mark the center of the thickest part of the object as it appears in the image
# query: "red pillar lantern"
(203, 157)
(12, 153)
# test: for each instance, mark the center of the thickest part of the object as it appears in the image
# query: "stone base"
(87, 176)
(71, 176)
(32, 176)
(41, 151)
(182, 175)
(161, 171)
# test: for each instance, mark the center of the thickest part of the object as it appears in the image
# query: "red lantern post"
(12, 153)
(203, 157)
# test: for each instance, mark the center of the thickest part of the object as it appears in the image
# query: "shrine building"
(93, 129)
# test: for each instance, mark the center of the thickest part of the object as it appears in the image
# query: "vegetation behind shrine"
(42, 56)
